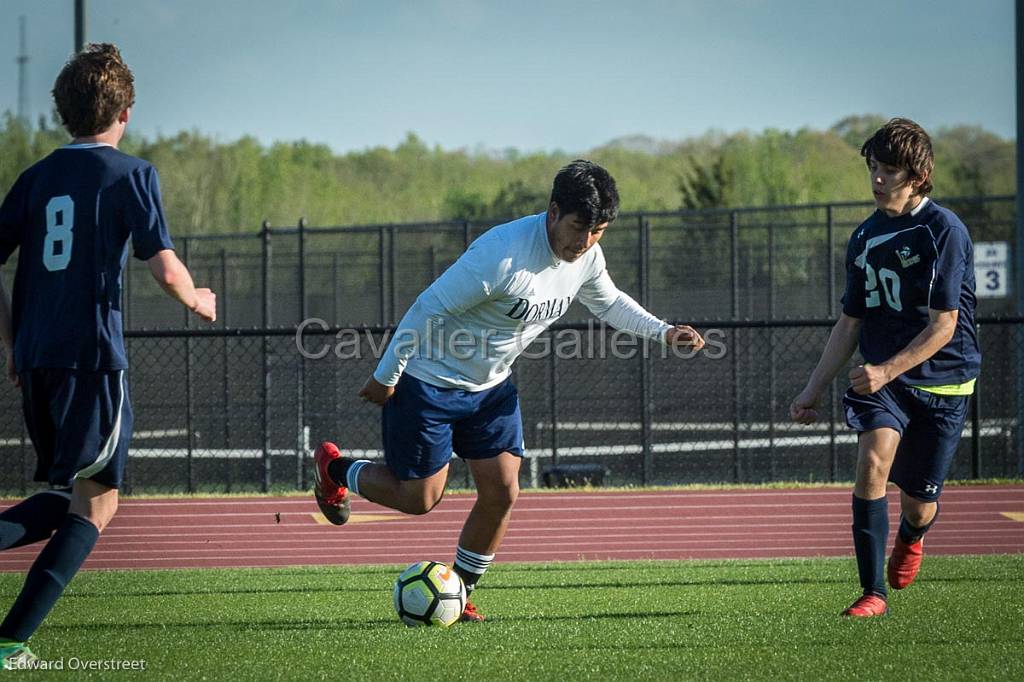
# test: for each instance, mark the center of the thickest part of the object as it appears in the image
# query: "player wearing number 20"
(70, 217)
(909, 302)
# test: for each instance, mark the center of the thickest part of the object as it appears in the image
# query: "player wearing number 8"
(71, 217)
(909, 302)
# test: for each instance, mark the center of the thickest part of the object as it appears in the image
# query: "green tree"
(211, 186)
(704, 185)
(518, 199)
(855, 130)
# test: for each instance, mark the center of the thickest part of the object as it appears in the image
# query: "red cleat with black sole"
(471, 615)
(332, 498)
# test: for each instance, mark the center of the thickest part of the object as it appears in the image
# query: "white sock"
(352, 477)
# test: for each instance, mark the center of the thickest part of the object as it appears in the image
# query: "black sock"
(912, 534)
(471, 566)
(337, 469)
(870, 533)
(468, 579)
(53, 569)
(33, 519)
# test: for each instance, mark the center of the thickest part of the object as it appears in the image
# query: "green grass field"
(964, 619)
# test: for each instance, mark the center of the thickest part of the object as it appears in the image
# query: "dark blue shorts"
(80, 424)
(423, 424)
(929, 426)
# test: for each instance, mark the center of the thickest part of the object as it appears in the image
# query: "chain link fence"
(237, 407)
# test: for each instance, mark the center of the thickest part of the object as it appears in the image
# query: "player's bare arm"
(842, 342)
(375, 392)
(7, 335)
(174, 278)
(682, 335)
(867, 379)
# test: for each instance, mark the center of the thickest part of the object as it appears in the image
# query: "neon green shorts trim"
(966, 388)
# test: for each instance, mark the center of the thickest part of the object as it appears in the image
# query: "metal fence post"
(646, 399)
(553, 403)
(392, 277)
(24, 461)
(830, 245)
(737, 468)
(771, 352)
(382, 312)
(266, 260)
(335, 286)
(335, 301)
(830, 240)
(224, 313)
(186, 247)
(300, 384)
(126, 300)
(1019, 255)
(976, 421)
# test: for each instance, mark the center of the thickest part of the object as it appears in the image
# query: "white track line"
(949, 492)
(618, 509)
(989, 518)
(318, 538)
(842, 549)
(321, 532)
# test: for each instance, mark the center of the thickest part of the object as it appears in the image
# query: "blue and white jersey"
(470, 325)
(898, 268)
(71, 215)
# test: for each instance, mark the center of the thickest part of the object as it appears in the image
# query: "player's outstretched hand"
(206, 307)
(803, 409)
(681, 335)
(376, 392)
(865, 379)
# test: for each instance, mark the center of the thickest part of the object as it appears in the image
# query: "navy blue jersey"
(72, 214)
(898, 268)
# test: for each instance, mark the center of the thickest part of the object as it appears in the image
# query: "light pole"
(79, 25)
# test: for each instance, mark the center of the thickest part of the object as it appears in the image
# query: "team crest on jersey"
(906, 260)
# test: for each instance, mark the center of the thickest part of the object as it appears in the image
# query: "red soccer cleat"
(471, 615)
(904, 562)
(868, 606)
(330, 497)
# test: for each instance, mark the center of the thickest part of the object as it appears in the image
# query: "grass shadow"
(578, 618)
(239, 625)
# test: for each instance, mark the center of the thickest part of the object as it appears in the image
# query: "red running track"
(571, 526)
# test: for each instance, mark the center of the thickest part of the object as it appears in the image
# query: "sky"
(533, 75)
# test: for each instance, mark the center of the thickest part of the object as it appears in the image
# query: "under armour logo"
(931, 489)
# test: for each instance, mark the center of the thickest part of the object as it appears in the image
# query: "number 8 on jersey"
(60, 221)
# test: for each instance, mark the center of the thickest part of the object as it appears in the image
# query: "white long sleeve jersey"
(470, 325)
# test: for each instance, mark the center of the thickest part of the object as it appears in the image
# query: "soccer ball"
(429, 593)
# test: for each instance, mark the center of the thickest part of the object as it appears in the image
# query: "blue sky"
(530, 74)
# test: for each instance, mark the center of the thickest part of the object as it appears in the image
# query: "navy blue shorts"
(423, 424)
(80, 424)
(929, 425)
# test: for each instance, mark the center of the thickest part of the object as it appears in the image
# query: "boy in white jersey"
(444, 379)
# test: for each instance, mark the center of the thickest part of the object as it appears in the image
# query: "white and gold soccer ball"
(429, 593)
